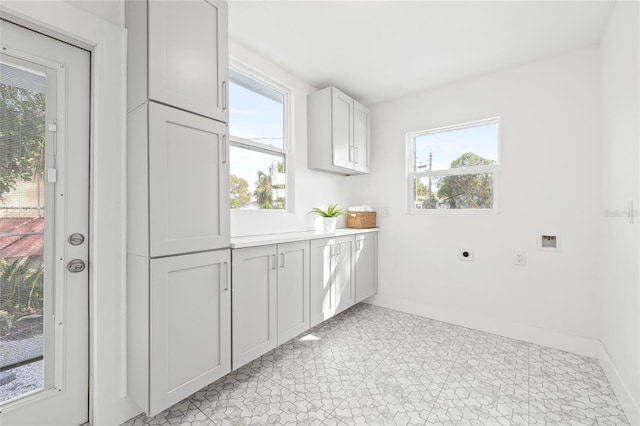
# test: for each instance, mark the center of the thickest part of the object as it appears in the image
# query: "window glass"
(258, 151)
(454, 168)
(446, 149)
(256, 112)
(258, 180)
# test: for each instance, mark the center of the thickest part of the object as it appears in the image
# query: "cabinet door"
(360, 155)
(190, 325)
(188, 182)
(293, 289)
(254, 303)
(188, 56)
(342, 128)
(344, 273)
(366, 265)
(322, 297)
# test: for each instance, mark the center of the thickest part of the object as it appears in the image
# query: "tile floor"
(375, 366)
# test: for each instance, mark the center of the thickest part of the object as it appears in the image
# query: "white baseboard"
(576, 344)
(629, 406)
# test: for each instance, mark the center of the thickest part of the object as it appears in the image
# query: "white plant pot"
(329, 224)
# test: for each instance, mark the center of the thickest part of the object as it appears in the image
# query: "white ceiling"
(380, 50)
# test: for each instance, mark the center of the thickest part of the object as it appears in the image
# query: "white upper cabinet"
(342, 129)
(360, 154)
(338, 133)
(179, 55)
(178, 198)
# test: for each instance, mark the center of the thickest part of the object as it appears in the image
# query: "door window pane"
(22, 195)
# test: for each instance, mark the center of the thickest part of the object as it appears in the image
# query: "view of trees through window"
(454, 168)
(258, 146)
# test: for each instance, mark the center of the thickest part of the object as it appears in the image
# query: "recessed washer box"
(549, 241)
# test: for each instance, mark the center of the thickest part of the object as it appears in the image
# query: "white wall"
(110, 10)
(549, 183)
(619, 162)
(311, 188)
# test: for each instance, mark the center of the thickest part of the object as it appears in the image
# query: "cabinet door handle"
(355, 154)
(224, 95)
(338, 250)
(226, 276)
(273, 261)
(358, 244)
(282, 260)
(224, 149)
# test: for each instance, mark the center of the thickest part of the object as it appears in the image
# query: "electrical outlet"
(465, 254)
(520, 258)
(386, 212)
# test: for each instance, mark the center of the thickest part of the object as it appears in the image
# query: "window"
(454, 168)
(258, 127)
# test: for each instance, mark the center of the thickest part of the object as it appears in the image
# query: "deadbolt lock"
(76, 239)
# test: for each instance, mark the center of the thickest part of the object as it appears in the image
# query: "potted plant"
(329, 216)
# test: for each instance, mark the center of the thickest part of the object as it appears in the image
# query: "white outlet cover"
(519, 258)
(469, 254)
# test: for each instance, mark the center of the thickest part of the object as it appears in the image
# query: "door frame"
(108, 401)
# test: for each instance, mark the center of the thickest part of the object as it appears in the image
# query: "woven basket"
(361, 220)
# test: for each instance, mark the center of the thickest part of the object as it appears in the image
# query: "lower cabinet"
(293, 289)
(270, 297)
(366, 265)
(179, 326)
(254, 303)
(332, 277)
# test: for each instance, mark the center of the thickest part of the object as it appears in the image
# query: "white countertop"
(266, 239)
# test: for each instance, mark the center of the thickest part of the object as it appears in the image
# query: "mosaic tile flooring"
(375, 366)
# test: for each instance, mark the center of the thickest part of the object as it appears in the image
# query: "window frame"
(285, 151)
(494, 169)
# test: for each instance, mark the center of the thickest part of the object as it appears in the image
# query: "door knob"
(76, 265)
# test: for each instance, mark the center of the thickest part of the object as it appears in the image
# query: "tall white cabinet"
(179, 284)
(338, 129)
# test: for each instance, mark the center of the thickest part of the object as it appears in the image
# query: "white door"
(322, 304)
(293, 289)
(190, 333)
(44, 213)
(344, 268)
(188, 182)
(360, 154)
(188, 56)
(254, 303)
(342, 128)
(366, 266)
